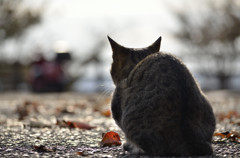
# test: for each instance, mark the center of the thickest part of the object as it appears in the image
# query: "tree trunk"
(223, 81)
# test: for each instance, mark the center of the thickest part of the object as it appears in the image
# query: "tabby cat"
(158, 104)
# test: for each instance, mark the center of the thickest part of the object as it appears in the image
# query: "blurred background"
(61, 45)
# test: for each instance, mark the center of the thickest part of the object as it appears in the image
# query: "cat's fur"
(158, 104)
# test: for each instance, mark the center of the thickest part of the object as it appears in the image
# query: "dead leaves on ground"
(74, 124)
(80, 153)
(111, 139)
(232, 136)
(33, 110)
(64, 108)
(106, 113)
(43, 148)
(231, 117)
(26, 108)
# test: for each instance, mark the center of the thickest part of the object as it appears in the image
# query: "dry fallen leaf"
(79, 125)
(26, 108)
(233, 136)
(111, 139)
(72, 124)
(229, 115)
(42, 148)
(61, 123)
(106, 113)
(81, 153)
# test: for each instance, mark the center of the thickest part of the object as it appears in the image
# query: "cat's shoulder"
(162, 57)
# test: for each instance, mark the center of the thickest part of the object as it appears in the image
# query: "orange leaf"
(61, 123)
(106, 113)
(79, 125)
(233, 136)
(229, 115)
(223, 135)
(81, 153)
(111, 139)
(72, 124)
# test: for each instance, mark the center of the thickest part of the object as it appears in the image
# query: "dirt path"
(28, 125)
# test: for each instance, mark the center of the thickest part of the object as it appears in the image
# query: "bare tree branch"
(212, 39)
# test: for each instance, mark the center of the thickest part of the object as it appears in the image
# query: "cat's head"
(125, 59)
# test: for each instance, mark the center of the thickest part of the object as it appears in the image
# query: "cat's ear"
(117, 48)
(155, 47)
(119, 55)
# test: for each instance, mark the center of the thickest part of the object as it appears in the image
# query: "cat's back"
(161, 81)
(161, 70)
(156, 86)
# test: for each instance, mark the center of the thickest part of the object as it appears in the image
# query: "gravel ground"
(28, 125)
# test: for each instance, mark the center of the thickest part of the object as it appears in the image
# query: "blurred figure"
(49, 76)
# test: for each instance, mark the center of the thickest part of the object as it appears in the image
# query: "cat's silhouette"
(158, 104)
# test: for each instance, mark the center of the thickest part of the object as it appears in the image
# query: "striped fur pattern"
(158, 104)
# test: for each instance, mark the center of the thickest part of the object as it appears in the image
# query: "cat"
(158, 104)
